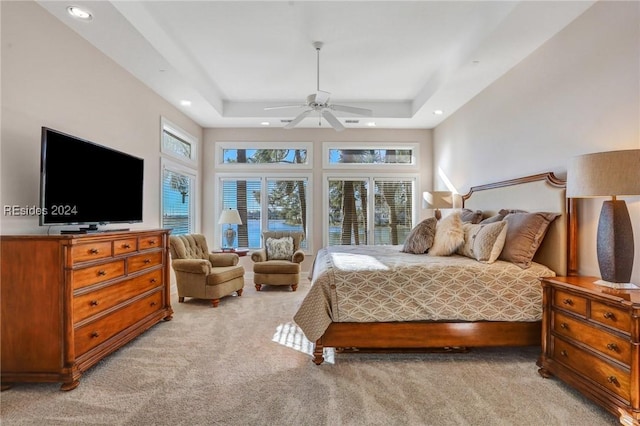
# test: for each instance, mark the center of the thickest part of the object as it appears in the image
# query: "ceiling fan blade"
(353, 110)
(322, 97)
(298, 119)
(328, 115)
(283, 107)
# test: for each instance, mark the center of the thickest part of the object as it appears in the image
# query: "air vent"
(352, 121)
(286, 121)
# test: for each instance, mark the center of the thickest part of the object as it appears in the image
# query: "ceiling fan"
(319, 102)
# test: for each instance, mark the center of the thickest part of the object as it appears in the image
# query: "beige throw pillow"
(420, 239)
(279, 248)
(483, 243)
(471, 216)
(449, 236)
(524, 235)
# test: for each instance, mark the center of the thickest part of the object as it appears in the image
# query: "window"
(254, 155)
(178, 179)
(178, 188)
(265, 203)
(370, 210)
(376, 155)
(177, 143)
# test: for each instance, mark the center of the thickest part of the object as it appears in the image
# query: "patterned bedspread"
(381, 284)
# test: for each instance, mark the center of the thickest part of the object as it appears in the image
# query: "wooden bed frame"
(541, 192)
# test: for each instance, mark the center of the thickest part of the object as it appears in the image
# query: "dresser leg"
(5, 386)
(545, 373)
(70, 385)
(627, 419)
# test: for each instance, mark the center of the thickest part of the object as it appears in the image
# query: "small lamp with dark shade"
(438, 200)
(609, 174)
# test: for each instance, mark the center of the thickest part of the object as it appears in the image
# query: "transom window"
(335, 155)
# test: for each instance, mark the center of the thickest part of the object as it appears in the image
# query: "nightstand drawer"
(570, 302)
(610, 316)
(605, 374)
(601, 341)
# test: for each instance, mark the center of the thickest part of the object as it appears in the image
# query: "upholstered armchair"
(201, 274)
(278, 262)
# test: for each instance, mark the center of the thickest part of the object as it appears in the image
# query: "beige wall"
(316, 137)
(52, 77)
(578, 93)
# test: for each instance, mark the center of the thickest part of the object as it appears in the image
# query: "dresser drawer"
(570, 302)
(150, 241)
(91, 335)
(610, 316)
(124, 246)
(601, 341)
(605, 374)
(143, 261)
(92, 303)
(95, 274)
(91, 251)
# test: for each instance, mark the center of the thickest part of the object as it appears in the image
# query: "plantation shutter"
(287, 205)
(243, 195)
(177, 199)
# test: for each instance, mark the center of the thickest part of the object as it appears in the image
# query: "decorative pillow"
(483, 243)
(421, 236)
(471, 216)
(501, 214)
(449, 236)
(279, 248)
(524, 235)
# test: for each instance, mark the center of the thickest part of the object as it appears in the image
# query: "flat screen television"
(82, 182)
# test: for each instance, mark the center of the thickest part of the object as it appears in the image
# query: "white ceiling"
(402, 59)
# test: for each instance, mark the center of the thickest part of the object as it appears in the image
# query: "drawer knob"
(564, 353)
(154, 303)
(153, 280)
(612, 379)
(612, 347)
(95, 334)
(609, 315)
(564, 326)
(102, 272)
(94, 303)
(152, 242)
(94, 251)
(146, 261)
(126, 245)
(568, 302)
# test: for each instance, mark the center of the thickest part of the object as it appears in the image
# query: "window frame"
(413, 146)
(263, 178)
(168, 126)
(371, 177)
(220, 146)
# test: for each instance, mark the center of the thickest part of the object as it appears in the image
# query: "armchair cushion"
(223, 259)
(279, 248)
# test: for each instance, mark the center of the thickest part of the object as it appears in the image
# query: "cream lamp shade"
(438, 200)
(230, 217)
(609, 174)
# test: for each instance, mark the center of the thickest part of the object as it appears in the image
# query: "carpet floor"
(246, 363)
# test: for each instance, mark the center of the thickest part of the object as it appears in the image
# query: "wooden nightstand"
(591, 341)
(240, 252)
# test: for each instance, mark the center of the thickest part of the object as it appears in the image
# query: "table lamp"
(609, 174)
(438, 200)
(230, 217)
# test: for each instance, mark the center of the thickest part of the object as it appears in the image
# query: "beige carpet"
(244, 363)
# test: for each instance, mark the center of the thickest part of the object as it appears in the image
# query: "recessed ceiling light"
(371, 124)
(438, 112)
(265, 123)
(185, 102)
(79, 13)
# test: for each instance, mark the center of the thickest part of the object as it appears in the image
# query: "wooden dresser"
(70, 300)
(591, 340)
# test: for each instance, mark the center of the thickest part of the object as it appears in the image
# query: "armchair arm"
(192, 266)
(298, 256)
(259, 255)
(223, 259)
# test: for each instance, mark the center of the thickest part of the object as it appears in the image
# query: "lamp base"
(619, 286)
(615, 242)
(230, 236)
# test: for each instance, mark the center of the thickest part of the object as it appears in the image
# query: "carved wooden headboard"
(536, 193)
